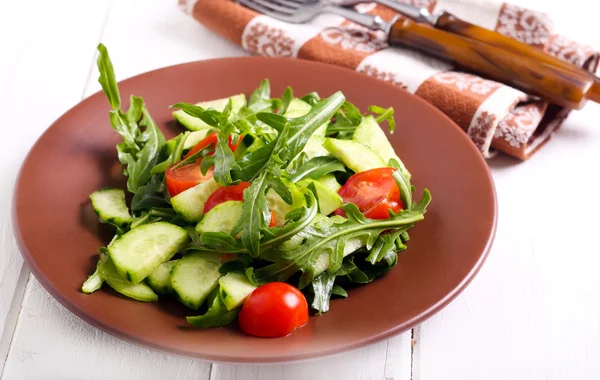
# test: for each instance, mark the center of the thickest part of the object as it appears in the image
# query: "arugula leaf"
(403, 182)
(107, 78)
(149, 195)
(347, 118)
(315, 168)
(209, 116)
(303, 127)
(328, 244)
(385, 114)
(262, 93)
(142, 140)
(339, 291)
(297, 220)
(174, 149)
(223, 159)
(217, 314)
(322, 286)
(311, 98)
(255, 211)
(286, 98)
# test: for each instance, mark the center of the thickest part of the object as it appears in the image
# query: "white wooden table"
(533, 311)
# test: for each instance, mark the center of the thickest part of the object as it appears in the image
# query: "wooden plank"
(43, 70)
(52, 343)
(49, 341)
(387, 360)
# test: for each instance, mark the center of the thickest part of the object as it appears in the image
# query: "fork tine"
(261, 9)
(290, 3)
(275, 7)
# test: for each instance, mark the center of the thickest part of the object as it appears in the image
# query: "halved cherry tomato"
(230, 193)
(185, 177)
(273, 310)
(374, 192)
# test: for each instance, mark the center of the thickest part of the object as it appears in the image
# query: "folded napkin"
(496, 117)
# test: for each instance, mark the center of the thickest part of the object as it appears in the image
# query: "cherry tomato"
(209, 139)
(273, 310)
(224, 194)
(185, 177)
(374, 192)
(230, 193)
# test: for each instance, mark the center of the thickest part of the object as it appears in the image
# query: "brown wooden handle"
(557, 84)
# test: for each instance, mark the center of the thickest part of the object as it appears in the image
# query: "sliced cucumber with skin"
(329, 200)
(279, 207)
(195, 276)
(330, 181)
(160, 279)
(110, 206)
(221, 218)
(369, 133)
(194, 124)
(190, 203)
(140, 292)
(137, 253)
(235, 288)
(95, 281)
(356, 156)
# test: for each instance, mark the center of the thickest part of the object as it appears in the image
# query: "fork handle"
(554, 83)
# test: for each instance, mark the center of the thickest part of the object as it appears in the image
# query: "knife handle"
(555, 83)
(450, 23)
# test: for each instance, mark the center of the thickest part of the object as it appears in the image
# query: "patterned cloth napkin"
(496, 117)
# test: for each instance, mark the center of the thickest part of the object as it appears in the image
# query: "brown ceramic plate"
(58, 233)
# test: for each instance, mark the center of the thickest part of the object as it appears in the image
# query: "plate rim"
(284, 359)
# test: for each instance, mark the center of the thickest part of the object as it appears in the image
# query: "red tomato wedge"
(273, 310)
(185, 177)
(374, 192)
(230, 193)
(188, 176)
(213, 139)
(224, 194)
(210, 139)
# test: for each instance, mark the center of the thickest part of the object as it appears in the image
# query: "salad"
(261, 210)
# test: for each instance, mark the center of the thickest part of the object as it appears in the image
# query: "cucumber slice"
(278, 205)
(140, 292)
(95, 281)
(369, 133)
(297, 108)
(234, 289)
(110, 206)
(137, 253)
(190, 203)
(194, 277)
(197, 136)
(330, 181)
(329, 200)
(356, 156)
(194, 124)
(160, 279)
(221, 218)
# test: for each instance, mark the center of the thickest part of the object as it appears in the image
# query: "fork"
(563, 85)
(302, 11)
